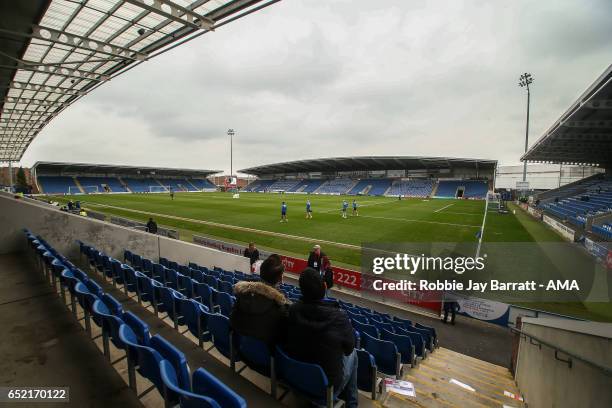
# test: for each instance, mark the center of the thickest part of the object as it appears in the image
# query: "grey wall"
(547, 382)
(61, 230)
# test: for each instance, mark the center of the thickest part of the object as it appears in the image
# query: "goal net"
(72, 190)
(159, 189)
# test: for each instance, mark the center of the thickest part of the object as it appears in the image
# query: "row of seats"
(387, 341)
(373, 187)
(196, 285)
(68, 185)
(412, 188)
(604, 231)
(335, 186)
(153, 357)
(471, 189)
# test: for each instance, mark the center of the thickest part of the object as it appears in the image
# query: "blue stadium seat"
(170, 298)
(417, 340)
(366, 328)
(385, 353)
(256, 355)
(305, 379)
(220, 329)
(226, 303)
(204, 383)
(194, 314)
(171, 391)
(404, 346)
(175, 357)
(203, 294)
(142, 358)
(367, 380)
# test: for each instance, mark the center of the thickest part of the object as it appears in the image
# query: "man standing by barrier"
(152, 226)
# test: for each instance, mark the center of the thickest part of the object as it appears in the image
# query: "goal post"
(159, 189)
(73, 190)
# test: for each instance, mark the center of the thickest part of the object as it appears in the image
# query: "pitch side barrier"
(124, 222)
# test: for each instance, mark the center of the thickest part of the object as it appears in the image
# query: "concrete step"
(432, 382)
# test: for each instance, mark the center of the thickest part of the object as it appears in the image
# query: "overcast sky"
(312, 78)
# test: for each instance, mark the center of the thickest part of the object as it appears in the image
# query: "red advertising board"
(364, 283)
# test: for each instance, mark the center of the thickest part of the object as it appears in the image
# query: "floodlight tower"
(230, 133)
(524, 81)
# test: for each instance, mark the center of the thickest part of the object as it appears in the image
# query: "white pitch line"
(228, 226)
(440, 209)
(423, 221)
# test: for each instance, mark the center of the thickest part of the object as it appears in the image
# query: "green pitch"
(256, 217)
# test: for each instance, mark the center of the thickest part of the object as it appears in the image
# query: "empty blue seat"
(256, 355)
(367, 380)
(170, 299)
(113, 305)
(431, 331)
(385, 353)
(226, 303)
(220, 329)
(404, 346)
(116, 272)
(185, 284)
(417, 340)
(211, 281)
(203, 294)
(226, 287)
(366, 328)
(172, 390)
(195, 319)
(127, 256)
(383, 326)
(175, 357)
(129, 278)
(171, 278)
(145, 359)
(197, 275)
(204, 383)
(305, 379)
(94, 288)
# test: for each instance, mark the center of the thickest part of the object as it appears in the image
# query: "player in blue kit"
(344, 208)
(284, 212)
(308, 210)
(355, 211)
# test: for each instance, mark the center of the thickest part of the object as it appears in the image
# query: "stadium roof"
(583, 134)
(52, 52)
(87, 168)
(369, 163)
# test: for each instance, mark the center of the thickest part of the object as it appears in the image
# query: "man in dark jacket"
(152, 226)
(320, 332)
(320, 262)
(451, 306)
(260, 310)
(252, 253)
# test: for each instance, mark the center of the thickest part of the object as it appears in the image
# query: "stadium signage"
(565, 231)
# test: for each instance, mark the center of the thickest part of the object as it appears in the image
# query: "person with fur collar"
(261, 310)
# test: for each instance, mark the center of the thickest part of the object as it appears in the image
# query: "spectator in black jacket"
(260, 310)
(252, 253)
(320, 332)
(152, 226)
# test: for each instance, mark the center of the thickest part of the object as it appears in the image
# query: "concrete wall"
(61, 230)
(547, 382)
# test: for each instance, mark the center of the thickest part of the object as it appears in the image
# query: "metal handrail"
(607, 370)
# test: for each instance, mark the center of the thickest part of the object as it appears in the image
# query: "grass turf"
(380, 219)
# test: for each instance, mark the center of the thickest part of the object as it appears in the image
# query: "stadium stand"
(259, 186)
(283, 185)
(462, 189)
(202, 184)
(113, 183)
(373, 187)
(75, 178)
(335, 186)
(56, 184)
(412, 188)
(580, 201)
(308, 186)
